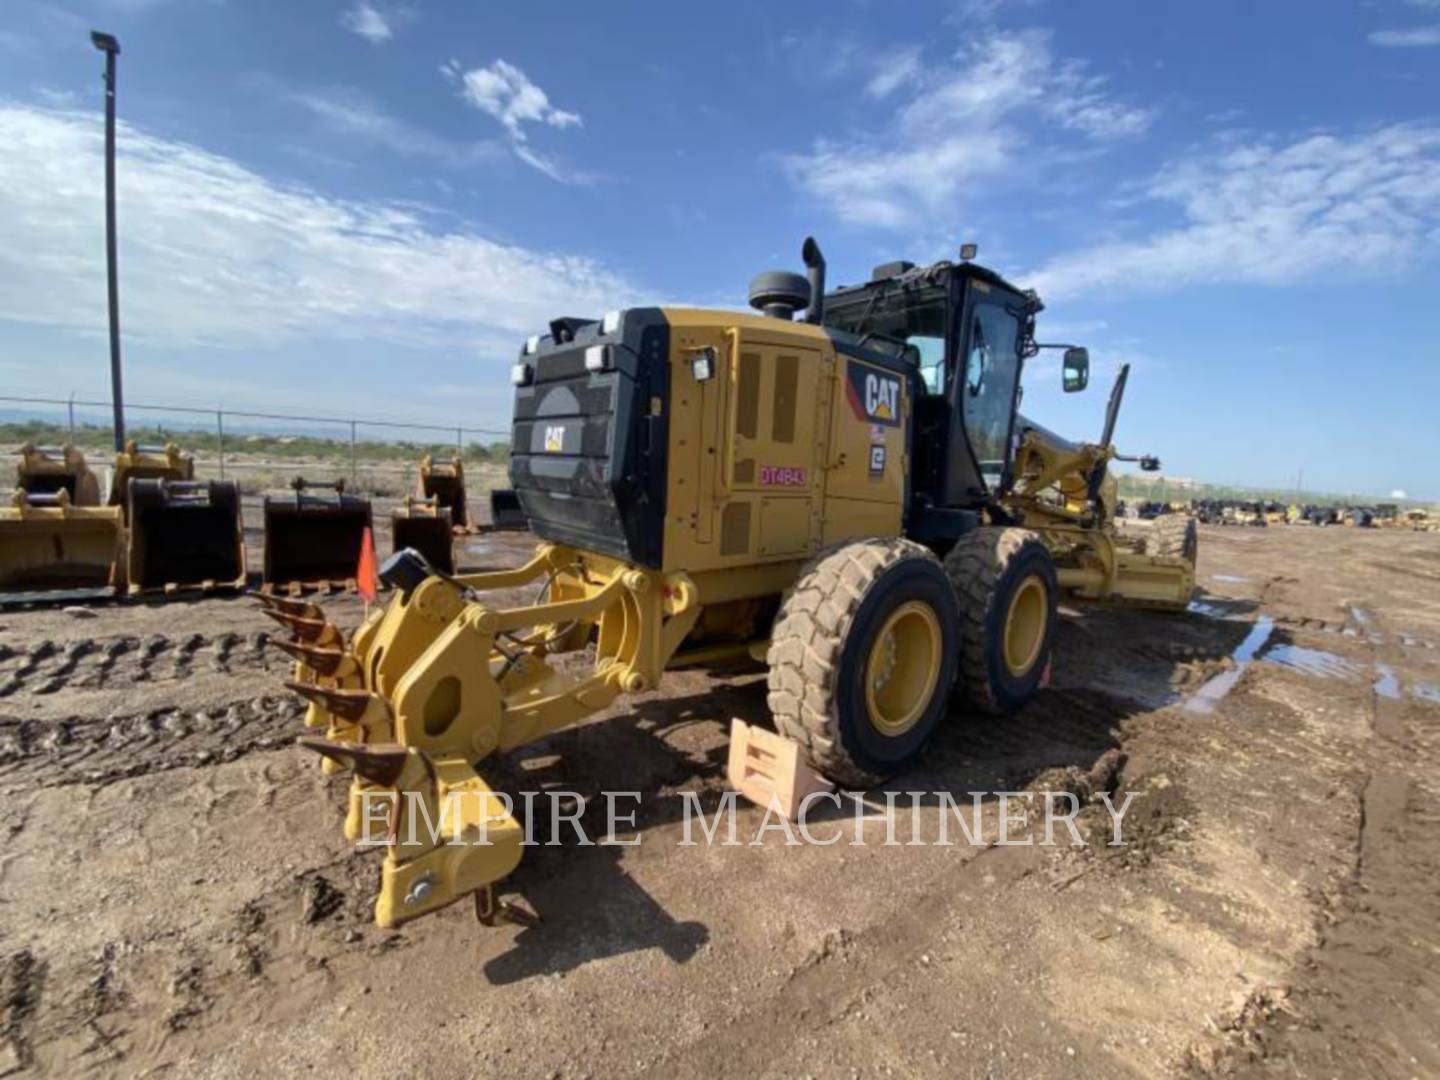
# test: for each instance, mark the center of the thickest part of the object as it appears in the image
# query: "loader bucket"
(506, 514)
(184, 534)
(314, 540)
(426, 529)
(49, 548)
(446, 483)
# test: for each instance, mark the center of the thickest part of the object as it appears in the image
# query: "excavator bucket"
(138, 462)
(56, 540)
(506, 513)
(312, 541)
(49, 470)
(184, 534)
(52, 549)
(445, 482)
(426, 528)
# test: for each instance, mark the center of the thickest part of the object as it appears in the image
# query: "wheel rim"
(903, 668)
(1025, 625)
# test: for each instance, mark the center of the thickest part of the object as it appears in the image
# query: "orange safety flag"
(366, 579)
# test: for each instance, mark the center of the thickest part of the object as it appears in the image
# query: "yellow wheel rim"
(1025, 625)
(903, 668)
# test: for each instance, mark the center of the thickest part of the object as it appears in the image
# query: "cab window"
(987, 388)
(910, 320)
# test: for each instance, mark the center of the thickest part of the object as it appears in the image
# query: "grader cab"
(840, 497)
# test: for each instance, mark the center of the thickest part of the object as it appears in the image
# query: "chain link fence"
(265, 451)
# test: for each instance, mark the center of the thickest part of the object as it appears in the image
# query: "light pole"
(107, 44)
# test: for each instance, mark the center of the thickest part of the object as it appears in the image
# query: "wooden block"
(769, 770)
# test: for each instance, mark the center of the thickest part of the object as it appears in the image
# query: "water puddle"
(1213, 692)
(1426, 692)
(1388, 684)
(1312, 662)
(1200, 607)
(1230, 579)
(1366, 626)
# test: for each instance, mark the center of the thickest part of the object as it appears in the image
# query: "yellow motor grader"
(851, 499)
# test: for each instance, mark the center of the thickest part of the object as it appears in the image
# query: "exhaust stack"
(815, 271)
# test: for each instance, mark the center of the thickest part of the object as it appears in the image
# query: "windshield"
(910, 320)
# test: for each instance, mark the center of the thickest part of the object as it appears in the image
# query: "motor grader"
(852, 500)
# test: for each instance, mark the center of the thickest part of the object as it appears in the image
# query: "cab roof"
(908, 273)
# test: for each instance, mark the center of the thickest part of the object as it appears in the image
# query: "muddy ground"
(176, 896)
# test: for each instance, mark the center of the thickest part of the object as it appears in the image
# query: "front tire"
(1004, 582)
(1174, 536)
(862, 658)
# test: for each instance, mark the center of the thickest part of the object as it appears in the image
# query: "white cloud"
(1275, 213)
(1414, 37)
(505, 92)
(894, 70)
(368, 22)
(960, 122)
(212, 253)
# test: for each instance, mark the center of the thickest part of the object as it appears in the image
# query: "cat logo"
(874, 394)
(555, 439)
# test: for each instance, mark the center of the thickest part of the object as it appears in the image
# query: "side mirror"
(1075, 370)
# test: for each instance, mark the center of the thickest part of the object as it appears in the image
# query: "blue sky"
(366, 206)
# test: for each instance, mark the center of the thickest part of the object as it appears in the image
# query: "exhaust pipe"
(815, 271)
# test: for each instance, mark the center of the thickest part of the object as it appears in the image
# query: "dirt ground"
(176, 896)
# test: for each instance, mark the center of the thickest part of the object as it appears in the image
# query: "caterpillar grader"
(852, 499)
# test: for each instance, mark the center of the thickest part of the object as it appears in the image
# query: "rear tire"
(862, 658)
(1174, 536)
(1004, 582)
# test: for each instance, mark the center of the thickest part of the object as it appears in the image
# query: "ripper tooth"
(322, 661)
(300, 608)
(381, 764)
(346, 704)
(304, 629)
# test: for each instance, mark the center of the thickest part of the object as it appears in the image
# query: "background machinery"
(851, 498)
(181, 534)
(425, 527)
(313, 537)
(55, 537)
(445, 483)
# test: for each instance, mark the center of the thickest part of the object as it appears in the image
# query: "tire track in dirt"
(47, 667)
(101, 750)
